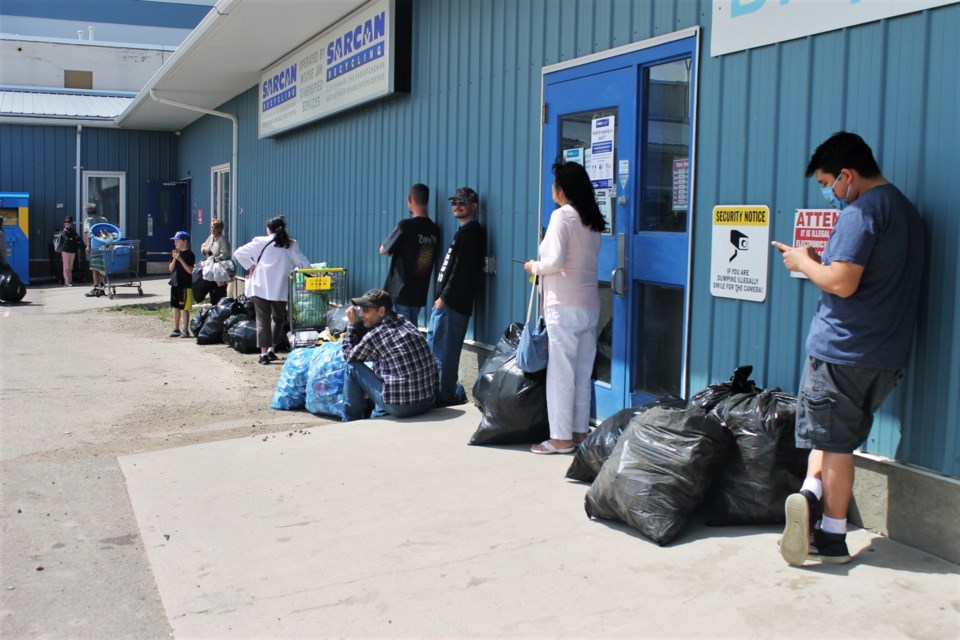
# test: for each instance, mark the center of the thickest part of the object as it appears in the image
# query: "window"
(220, 193)
(107, 190)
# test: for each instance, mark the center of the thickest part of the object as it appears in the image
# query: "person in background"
(860, 338)
(90, 218)
(268, 260)
(403, 380)
(412, 247)
(71, 244)
(459, 280)
(3, 246)
(569, 254)
(218, 246)
(180, 267)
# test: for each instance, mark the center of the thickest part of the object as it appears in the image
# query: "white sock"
(814, 486)
(270, 350)
(833, 525)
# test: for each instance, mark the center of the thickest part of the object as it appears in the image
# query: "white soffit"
(223, 56)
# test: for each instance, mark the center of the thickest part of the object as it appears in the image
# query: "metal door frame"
(691, 32)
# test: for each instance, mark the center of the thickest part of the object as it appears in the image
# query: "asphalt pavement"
(398, 528)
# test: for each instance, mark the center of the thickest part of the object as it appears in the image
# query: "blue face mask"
(831, 197)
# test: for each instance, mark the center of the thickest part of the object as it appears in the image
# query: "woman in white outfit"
(268, 260)
(571, 305)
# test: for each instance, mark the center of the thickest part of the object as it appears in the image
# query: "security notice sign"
(812, 228)
(741, 243)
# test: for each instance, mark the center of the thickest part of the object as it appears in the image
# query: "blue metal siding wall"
(761, 114)
(40, 160)
(473, 117)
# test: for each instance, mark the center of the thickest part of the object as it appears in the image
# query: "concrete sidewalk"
(388, 528)
(397, 528)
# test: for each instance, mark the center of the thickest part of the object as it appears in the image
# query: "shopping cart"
(313, 292)
(118, 264)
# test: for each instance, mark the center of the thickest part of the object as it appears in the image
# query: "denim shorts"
(836, 404)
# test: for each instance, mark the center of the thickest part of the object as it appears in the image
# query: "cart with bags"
(313, 293)
(118, 265)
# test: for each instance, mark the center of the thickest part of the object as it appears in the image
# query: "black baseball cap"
(374, 298)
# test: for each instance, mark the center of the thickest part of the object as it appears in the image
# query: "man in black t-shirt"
(459, 280)
(412, 247)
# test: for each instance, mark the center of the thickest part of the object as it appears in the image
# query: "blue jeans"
(445, 334)
(358, 379)
(410, 313)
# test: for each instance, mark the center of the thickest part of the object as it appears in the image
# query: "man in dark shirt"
(403, 380)
(412, 248)
(460, 277)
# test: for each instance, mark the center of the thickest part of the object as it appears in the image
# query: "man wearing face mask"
(860, 338)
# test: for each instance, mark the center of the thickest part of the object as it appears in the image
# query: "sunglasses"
(459, 203)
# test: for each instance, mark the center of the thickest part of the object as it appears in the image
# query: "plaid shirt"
(401, 358)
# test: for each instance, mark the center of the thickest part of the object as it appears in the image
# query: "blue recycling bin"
(104, 233)
(15, 209)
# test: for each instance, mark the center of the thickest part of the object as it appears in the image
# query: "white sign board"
(740, 252)
(601, 152)
(812, 228)
(745, 24)
(348, 64)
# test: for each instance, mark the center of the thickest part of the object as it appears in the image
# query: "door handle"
(615, 284)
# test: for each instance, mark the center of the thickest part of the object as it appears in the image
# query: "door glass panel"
(575, 143)
(104, 191)
(666, 147)
(659, 339)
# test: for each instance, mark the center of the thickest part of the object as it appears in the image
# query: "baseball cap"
(181, 235)
(465, 194)
(374, 298)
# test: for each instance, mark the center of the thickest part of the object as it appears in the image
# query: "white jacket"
(270, 279)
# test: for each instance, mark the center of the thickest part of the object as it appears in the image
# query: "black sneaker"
(273, 357)
(795, 541)
(93, 293)
(829, 548)
(264, 359)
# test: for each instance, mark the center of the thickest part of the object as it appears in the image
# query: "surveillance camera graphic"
(740, 242)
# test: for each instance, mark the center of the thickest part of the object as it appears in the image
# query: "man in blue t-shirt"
(860, 337)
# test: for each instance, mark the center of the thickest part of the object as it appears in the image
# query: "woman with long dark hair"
(571, 304)
(268, 260)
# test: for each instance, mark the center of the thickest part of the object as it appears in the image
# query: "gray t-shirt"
(883, 232)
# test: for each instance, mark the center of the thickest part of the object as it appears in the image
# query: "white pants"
(572, 336)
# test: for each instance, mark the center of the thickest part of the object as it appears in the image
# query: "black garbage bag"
(739, 383)
(196, 323)
(212, 330)
(600, 443)
(242, 335)
(765, 466)
(12, 288)
(335, 320)
(659, 472)
(247, 303)
(513, 404)
(201, 288)
(229, 322)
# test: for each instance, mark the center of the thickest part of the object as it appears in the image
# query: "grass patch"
(159, 310)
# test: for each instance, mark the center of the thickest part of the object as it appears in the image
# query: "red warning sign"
(812, 228)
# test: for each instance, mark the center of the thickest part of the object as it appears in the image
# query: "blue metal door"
(166, 214)
(642, 101)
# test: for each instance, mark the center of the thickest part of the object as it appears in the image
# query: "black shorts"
(836, 404)
(181, 298)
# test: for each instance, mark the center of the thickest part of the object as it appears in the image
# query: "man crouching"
(403, 381)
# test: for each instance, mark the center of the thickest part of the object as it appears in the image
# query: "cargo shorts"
(836, 404)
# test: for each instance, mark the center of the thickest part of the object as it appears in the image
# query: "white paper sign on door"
(601, 152)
